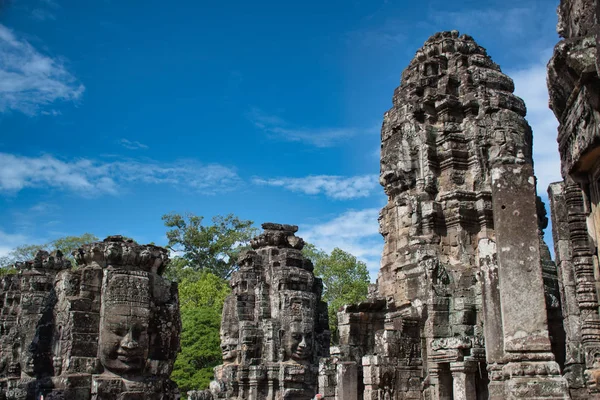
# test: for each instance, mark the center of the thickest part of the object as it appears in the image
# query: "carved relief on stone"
(274, 326)
(108, 329)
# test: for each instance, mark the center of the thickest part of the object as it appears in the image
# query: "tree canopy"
(201, 298)
(212, 247)
(345, 280)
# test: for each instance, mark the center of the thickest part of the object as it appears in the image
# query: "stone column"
(463, 380)
(583, 272)
(347, 381)
(531, 366)
(440, 387)
(563, 250)
(487, 257)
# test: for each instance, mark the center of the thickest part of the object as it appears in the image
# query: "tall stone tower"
(275, 326)
(466, 286)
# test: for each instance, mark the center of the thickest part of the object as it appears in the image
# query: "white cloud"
(90, 177)
(336, 187)
(9, 241)
(354, 231)
(530, 85)
(29, 79)
(132, 144)
(278, 128)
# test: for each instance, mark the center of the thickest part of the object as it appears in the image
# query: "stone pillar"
(586, 294)
(531, 366)
(347, 381)
(441, 386)
(563, 250)
(463, 380)
(487, 257)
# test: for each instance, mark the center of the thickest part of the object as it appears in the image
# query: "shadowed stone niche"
(108, 329)
(467, 304)
(275, 326)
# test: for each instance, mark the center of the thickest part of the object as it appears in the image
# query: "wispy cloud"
(40, 215)
(530, 85)
(132, 144)
(278, 128)
(354, 231)
(509, 20)
(41, 14)
(90, 177)
(8, 241)
(335, 187)
(29, 79)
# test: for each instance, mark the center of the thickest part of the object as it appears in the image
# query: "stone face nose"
(129, 342)
(302, 344)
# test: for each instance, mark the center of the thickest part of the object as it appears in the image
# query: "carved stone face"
(28, 362)
(124, 338)
(299, 344)
(229, 350)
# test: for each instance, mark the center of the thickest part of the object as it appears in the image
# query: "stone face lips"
(106, 330)
(275, 326)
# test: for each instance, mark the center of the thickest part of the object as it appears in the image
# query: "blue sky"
(115, 113)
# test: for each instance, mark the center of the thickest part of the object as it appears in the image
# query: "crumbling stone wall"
(275, 326)
(108, 329)
(574, 87)
(463, 251)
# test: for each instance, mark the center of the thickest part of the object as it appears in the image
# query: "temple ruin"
(574, 87)
(468, 304)
(108, 329)
(275, 327)
(463, 248)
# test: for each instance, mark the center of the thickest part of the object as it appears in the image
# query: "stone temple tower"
(466, 288)
(275, 326)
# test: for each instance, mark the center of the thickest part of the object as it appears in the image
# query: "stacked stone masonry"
(574, 88)
(463, 251)
(275, 327)
(468, 303)
(108, 329)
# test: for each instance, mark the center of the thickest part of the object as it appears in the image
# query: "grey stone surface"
(574, 87)
(463, 250)
(275, 326)
(108, 329)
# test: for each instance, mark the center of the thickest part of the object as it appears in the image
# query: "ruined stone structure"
(574, 86)
(275, 326)
(466, 288)
(108, 329)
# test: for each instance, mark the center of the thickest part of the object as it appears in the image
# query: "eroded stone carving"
(106, 330)
(574, 87)
(461, 222)
(274, 327)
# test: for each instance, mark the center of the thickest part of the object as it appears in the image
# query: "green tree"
(65, 244)
(345, 280)
(201, 297)
(214, 247)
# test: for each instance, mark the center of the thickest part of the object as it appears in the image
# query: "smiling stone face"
(298, 342)
(124, 338)
(124, 324)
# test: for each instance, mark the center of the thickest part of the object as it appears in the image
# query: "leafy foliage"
(65, 244)
(345, 280)
(201, 295)
(214, 247)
